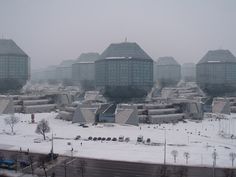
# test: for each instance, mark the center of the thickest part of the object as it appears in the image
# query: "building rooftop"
(88, 57)
(9, 47)
(216, 56)
(66, 63)
(167, 61)
(124, 50)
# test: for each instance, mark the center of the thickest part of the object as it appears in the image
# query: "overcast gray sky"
(50, 31)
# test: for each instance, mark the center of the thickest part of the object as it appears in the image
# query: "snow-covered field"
(199, 139)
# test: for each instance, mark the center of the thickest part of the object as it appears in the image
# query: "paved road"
(104, 168)
(83, 167)
(107, 168)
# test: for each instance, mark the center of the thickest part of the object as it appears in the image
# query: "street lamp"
(165, 149)
(214, 155)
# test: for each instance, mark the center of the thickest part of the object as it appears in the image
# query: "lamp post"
(214, 155)
(52, 147)
(164, 167)
(165, 149)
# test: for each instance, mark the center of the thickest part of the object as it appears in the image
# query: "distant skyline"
(50, 31)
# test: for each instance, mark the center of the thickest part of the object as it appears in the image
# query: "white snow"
(183, 137)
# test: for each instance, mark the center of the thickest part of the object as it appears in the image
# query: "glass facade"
(170, 74)
(83, 71)
(217, 78)
(124, 72)
(188, 72)
(231, 72)
(14, 67)
(63, 73)
(216, 73)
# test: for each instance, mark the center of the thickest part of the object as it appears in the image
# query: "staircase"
(159, 113)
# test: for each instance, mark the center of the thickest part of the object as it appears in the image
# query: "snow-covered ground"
(199, 139)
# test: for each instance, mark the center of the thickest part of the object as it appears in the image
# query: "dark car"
(24, 164)
(90, 138)
(108, 139)
(77, 137)
(103, 139)
(99, 138)
(95, 138)
(51, 156)
(121, 138)
(127, 139)
(140, 139)
(114, 139)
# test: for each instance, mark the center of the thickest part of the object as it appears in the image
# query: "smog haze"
(50, 31)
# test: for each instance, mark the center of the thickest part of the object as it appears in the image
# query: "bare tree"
(12, 120)
(187, 156)
(232, 157)
(43, 128)
(175, 154)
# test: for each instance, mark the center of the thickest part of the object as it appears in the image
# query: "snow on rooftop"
(213, 61)
(224, 56)
(198, 138)
(118, 57)
(85, 62)
(124, 49)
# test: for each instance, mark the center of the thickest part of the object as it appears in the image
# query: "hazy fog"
(50, 31)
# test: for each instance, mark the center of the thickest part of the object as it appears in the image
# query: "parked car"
(51, 156)
(127, 139)
(95, 138)
(114, 139)
(99, 138)
(24, 163)
(37, 140)
(121, 138)
(90, 138)
(108, 139)
(103, 138)
(148, 140)
(77, 137)
(8, 164)
(140, 139)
